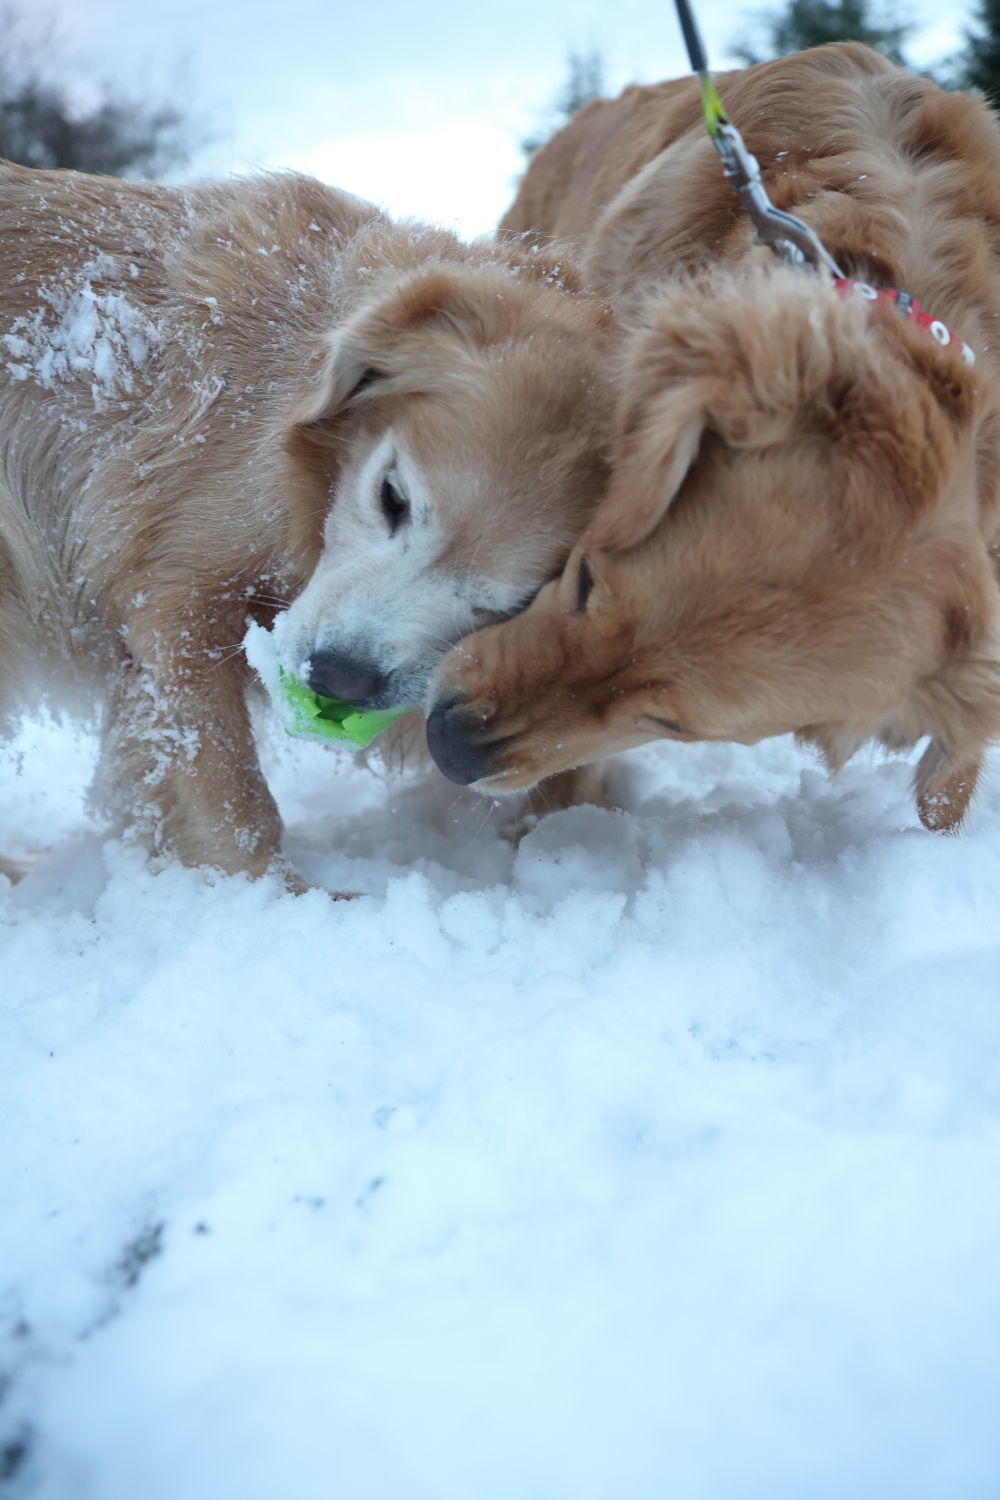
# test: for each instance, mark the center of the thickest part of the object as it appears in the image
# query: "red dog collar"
(909, 307)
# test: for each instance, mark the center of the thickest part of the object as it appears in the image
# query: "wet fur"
(170, 441)
(804, 514)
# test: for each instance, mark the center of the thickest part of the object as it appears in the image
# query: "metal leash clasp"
(790, 239)
(783, 233)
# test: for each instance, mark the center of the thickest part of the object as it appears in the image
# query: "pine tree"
(49, 117)
(810, 23)
(979, 61)
(585, 81)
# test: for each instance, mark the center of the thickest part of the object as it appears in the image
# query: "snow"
(263, 650)
(655, 1156)
(78, 332)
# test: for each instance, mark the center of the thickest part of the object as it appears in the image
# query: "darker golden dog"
(800, 528)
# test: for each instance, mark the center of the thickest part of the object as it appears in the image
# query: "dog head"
(792, 541)
(457, 437)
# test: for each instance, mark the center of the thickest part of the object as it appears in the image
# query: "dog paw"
(943, 791)
(295, 885)
(16, 869)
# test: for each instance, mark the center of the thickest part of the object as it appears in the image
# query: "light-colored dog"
(219, 401)
(805, 505)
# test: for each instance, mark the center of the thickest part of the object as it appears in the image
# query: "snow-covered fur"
(203, 393)
(804, 505)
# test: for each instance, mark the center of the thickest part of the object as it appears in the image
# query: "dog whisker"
(230, 655)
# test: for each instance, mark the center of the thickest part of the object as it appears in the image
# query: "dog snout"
(452, 740)
(335, 674)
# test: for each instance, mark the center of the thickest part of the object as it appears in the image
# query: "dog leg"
(944, 789)
(15, 630)
(181, 771)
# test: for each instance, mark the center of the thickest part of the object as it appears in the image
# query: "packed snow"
(82, 333)
(654, 1155)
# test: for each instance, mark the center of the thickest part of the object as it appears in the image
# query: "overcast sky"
(419, 107)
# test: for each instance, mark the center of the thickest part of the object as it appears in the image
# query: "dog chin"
(505, 783)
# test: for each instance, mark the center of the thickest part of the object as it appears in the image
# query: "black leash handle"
(692, 38)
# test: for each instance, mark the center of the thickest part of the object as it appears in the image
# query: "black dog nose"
(334, 674)
(451, 740)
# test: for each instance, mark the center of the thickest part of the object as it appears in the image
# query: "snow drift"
(656, 1155)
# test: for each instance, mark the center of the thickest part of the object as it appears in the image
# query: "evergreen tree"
(585, 81)
(979, 62)
(48, 122)
(810, 23)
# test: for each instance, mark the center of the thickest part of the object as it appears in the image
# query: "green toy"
(312, 717)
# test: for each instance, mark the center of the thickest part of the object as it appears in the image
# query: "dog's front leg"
(944, 786)
(180, 767)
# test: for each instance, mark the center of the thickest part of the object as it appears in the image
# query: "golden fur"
(187, 376)
(804, 497)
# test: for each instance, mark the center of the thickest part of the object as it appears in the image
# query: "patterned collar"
(909, 307)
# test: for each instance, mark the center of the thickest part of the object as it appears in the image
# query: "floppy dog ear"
(734, 356)
(348, 369)
(759, 358)
(657, 443)
(364, 356)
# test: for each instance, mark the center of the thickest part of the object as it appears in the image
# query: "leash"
(790, 239)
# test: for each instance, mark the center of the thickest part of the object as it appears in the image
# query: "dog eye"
(367, 378)
(395, 507)
(584, 584)
(670, 724)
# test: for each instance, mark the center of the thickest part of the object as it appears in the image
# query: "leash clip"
(787, 236)
(790, 239)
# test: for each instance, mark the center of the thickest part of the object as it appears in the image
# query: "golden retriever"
(804, 498)
(222, 400)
